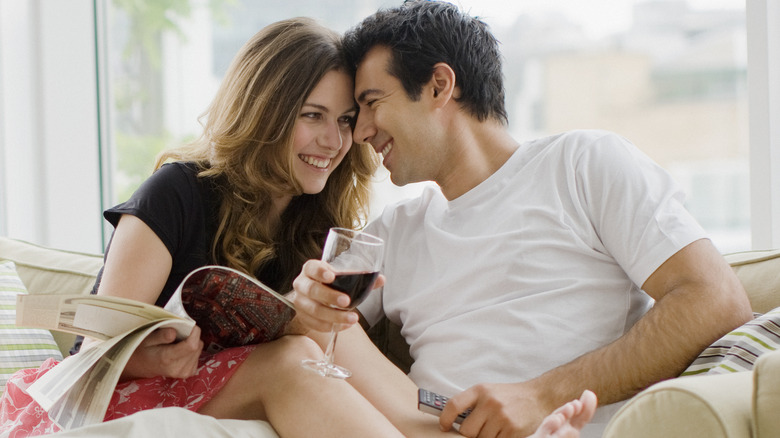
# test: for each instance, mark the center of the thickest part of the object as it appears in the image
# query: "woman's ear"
(442, 84)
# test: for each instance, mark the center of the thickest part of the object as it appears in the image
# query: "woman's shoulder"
(181, 170)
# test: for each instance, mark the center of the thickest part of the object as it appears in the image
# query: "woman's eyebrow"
(317, 105)
(324, 108)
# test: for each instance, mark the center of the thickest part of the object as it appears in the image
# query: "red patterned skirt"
(21, 416)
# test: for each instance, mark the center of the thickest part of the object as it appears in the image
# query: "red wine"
(355, 284)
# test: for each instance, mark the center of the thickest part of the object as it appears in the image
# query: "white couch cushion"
(20, 348)
(47, 270)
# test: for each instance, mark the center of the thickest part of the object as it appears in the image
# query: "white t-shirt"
(539, 264)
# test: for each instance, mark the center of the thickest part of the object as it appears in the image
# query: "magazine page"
(78, 390)
(231, 308)
(176, 306)
(97, 316)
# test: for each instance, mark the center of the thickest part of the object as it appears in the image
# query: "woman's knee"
(287, 350)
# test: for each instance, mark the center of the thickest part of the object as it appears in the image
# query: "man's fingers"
(456, 406)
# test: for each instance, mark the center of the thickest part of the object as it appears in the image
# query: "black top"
(182, 211)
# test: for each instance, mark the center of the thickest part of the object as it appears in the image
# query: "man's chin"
(398, 180)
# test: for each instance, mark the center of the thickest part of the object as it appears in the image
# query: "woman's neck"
(279, 204)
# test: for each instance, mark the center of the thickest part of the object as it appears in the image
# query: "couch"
(734, 405)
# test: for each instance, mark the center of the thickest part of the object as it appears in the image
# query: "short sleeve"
(635, 206)
(165, 202)
(181, 210)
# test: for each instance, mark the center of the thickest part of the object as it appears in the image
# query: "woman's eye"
(347, 120)
(311, 115)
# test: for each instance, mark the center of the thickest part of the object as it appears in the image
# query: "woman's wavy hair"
(246, 147)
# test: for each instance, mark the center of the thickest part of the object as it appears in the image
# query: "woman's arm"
(137, 266)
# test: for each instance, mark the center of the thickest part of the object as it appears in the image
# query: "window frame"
(763, 40)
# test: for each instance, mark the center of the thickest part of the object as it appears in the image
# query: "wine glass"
(356, 257)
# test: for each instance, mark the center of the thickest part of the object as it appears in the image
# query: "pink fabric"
(21, 416)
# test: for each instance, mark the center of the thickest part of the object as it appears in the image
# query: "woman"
(274, 169)
(251, 194)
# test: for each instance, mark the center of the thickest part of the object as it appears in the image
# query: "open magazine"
(230, 307)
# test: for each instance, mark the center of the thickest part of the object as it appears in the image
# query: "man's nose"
(364, 129)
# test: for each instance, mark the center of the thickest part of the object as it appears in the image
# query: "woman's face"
(323, 132)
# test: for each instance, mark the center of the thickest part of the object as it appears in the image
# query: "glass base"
(326, 369)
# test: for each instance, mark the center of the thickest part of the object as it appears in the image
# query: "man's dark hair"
(423, 33)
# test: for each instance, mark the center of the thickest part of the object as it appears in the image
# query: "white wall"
(763, 24)
(49, 168)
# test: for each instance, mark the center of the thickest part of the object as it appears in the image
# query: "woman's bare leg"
(395, 395)
(382, 383)
(271, 385)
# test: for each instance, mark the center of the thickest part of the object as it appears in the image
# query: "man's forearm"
(659, 346)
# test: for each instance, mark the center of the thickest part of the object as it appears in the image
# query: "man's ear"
(442, 84)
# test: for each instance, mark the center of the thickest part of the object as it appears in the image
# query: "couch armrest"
(766, 397)
(713, 406)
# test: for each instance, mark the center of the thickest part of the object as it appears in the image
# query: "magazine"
(231, 308)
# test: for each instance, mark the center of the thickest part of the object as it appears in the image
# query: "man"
(537, 270)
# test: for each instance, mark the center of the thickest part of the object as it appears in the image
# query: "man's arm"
(698, 300)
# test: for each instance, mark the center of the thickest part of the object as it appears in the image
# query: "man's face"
(396, 126)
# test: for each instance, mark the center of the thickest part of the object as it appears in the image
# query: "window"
(669, 75)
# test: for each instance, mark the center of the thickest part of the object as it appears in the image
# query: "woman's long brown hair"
(246, 147)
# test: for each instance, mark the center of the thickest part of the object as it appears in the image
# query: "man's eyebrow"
(362, 97)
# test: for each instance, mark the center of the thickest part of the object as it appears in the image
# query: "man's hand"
(498, 409)
(317, 305)
(159, 355)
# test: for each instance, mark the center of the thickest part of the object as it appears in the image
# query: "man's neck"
(477, 151)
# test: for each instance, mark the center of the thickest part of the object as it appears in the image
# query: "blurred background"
(669, 75)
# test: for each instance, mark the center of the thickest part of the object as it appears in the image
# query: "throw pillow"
(739, 349)
(20, 348)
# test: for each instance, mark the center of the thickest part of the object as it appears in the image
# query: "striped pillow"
(738, 350)
(20, 348)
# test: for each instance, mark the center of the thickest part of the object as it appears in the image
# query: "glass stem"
(329, 352)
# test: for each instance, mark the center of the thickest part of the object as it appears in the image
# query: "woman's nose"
(331, 137)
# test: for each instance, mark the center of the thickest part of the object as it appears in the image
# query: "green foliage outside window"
(138, 131)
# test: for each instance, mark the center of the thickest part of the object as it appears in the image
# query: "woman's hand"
(316, 304)
(160, 355)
